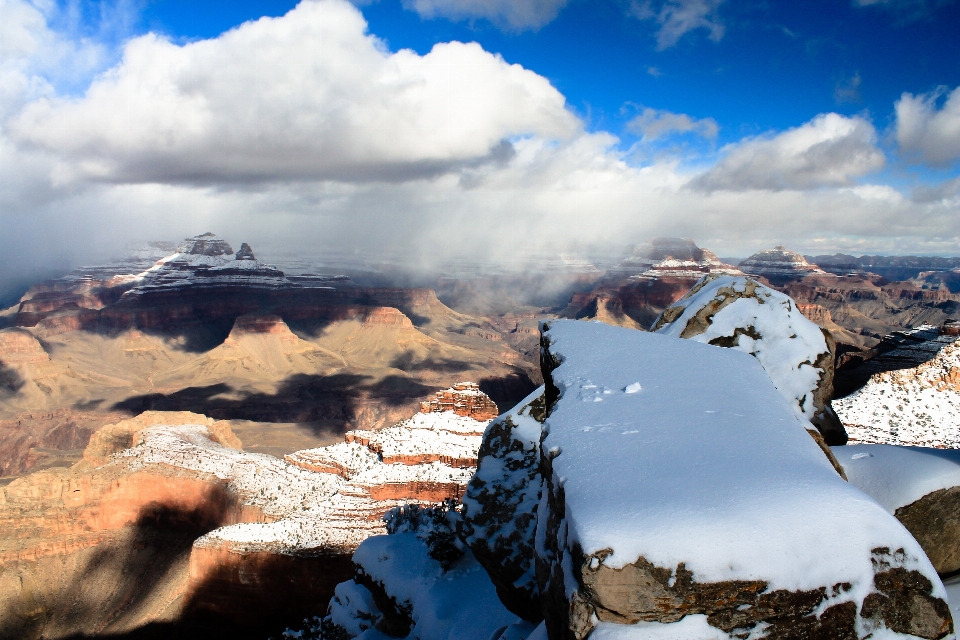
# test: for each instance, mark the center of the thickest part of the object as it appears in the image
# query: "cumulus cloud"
(305, 133)
(830, 150)
(309, 95)
(653, 123)
(929, 131)
(678, 17)
(509, 15)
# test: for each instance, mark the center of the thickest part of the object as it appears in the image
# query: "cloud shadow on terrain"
(303, 398)
(10, 380)
(123, 575)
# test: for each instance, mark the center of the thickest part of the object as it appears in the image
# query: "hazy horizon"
(480, 131)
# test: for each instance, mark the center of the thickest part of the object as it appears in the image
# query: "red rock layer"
(464, 399)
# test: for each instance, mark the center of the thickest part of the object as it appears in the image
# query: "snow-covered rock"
(681, 489)
(401, 592)
(207, 261)
(499, 506)
(918, 406)
(778, 262)
(741, 313)
(920, 486)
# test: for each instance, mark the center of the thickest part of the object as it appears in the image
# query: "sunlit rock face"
(637, 290)
(778, 262)
(464, 399)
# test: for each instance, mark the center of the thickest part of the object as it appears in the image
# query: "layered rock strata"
(257, 540)
(464, 399)
(742, 314)
(729, 492)
(633, 293)
(778, 262)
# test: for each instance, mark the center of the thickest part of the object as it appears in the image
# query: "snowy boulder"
(920, 486)
(740, 313)
(401, 590)
(500, 504)
(698, 505)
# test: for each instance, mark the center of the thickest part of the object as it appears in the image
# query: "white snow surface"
(447, 421)
(460, 604)
(898, 476)
(400, 440)
(306, 507)
(919, 406)
(707, 465)
(789, 343)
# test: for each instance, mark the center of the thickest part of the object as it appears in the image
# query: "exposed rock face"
(741, 313)
(778, 262)
(920, 487)
(245, 253)
(917, 406)
(671, 253)
(428, 458)
(464, 399)
(637, 290)
(723, 547)
(499, 507)
(205, 244)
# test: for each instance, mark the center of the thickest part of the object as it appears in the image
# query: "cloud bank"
(509, 15)
(929, 131)
(306, 133)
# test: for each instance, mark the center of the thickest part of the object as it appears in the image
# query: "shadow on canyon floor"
(136, 575)
(302, 398)
(311, 398)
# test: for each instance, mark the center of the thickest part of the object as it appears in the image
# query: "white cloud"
(830, 150)
(303, 132)
(678, 17)
(652, 124)
(305, 96)
(929, 132)
(509, 15)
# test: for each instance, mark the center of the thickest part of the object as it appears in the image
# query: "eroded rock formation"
(464, 399)
(253, 541)
(778, 262)
(740, 313)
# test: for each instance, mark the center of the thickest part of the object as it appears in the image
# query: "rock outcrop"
(499, 518)
(903, 405)
(464, 399)
(728, 492)
(742, 314)
(778, 262)
(920, 487)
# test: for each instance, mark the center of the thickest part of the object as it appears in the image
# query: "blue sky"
(574, 126)
(777, 63)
